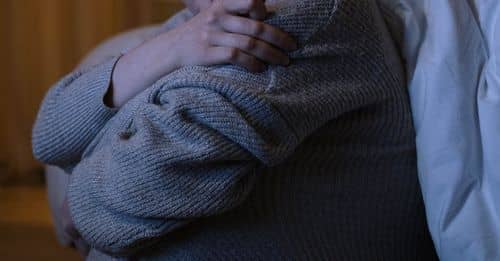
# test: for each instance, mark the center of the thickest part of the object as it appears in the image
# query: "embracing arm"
(73, 111)
(71, 115)
(192, 147)
(191, 152)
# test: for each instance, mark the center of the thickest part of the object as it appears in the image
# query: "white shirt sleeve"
(452, 54)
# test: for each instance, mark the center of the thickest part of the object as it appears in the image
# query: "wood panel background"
(41, 40)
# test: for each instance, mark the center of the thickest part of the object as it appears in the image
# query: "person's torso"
(350, 191)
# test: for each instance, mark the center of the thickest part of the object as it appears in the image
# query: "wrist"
(164, 54)
(120, 88)
(140, 68)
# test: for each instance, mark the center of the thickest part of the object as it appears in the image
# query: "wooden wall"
(40, 41)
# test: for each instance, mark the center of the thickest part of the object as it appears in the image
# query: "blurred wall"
(41, 40)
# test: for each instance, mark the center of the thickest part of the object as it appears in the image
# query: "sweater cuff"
(72, 114)
(91, 89)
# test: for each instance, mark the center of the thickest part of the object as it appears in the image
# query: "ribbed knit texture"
(315, 161)
(71, 116)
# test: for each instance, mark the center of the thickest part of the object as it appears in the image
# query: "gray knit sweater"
(312, 161)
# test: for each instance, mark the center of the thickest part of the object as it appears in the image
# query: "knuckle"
(257, 28)
(205, 36)
(232, 54)
(250, 43)
(212, 18)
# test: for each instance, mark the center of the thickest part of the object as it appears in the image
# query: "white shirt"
(452, 53)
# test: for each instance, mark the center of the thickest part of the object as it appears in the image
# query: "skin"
(221, 32)
(196, 5)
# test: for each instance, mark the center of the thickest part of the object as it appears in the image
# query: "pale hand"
(227, 32)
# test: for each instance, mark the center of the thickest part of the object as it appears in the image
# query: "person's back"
(351, 184)
(336, 177)
(350, 191)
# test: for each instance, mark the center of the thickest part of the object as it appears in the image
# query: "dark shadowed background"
(42, 40)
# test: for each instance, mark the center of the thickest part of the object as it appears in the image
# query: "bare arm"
(217, 35)
(115, 45)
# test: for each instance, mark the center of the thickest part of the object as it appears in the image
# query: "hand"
(69, 228)
(227, 32)
(218, 35)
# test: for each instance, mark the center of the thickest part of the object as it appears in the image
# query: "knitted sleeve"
(73, 111)
(193, 154)
(192, 147)
(71, 115)
(190, 156)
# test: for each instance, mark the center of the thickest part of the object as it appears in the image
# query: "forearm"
(140, 68)
(217, 35)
